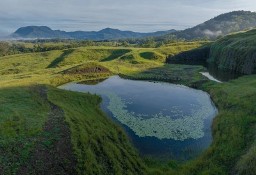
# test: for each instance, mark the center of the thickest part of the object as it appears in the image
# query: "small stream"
(210, 77)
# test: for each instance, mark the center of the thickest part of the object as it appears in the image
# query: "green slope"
(99, 145)
(236, 52)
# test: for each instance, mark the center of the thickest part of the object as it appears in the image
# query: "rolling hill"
(44, 32)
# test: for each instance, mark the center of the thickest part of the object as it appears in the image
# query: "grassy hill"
(236, 52)
(66, 132)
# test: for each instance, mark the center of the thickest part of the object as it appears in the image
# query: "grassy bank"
(99, 145)
(233, 130)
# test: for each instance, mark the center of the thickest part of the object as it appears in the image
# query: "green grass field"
(30, 101)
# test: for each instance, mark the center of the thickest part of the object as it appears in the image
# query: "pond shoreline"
(135, 133)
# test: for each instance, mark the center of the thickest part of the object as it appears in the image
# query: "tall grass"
(100, 146)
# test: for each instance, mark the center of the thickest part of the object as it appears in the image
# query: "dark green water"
(222, 75)
(212, 69)
(162, 120)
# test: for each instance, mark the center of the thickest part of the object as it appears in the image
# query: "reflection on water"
(218, 74)
(162, 120)
(93, 82)
(222, 75)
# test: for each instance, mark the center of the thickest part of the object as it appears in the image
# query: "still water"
(162, 120)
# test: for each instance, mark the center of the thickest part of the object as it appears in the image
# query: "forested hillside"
(220, 26)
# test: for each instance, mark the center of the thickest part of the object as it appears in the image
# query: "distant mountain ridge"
(44, 32)
(220, 26)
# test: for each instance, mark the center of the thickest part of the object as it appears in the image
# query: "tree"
(4, 48)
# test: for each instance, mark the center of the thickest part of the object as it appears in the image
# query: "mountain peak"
(34, 32)
(28, 29)
(110, 30)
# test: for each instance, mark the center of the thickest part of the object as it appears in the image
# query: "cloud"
(143, 15)
(212, 33)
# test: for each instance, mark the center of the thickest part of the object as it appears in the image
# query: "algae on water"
(159, 125)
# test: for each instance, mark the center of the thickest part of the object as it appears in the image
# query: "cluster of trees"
(149, 42)
(44, 45)
(16, 47)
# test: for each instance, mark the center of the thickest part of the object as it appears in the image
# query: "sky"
(94, 15)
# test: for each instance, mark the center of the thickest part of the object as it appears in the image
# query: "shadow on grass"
(151, 56)
(116, 54)
(59, 59)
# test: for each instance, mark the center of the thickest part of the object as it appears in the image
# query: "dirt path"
(53, 153)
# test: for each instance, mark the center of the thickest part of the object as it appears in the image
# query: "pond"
(162, 120)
